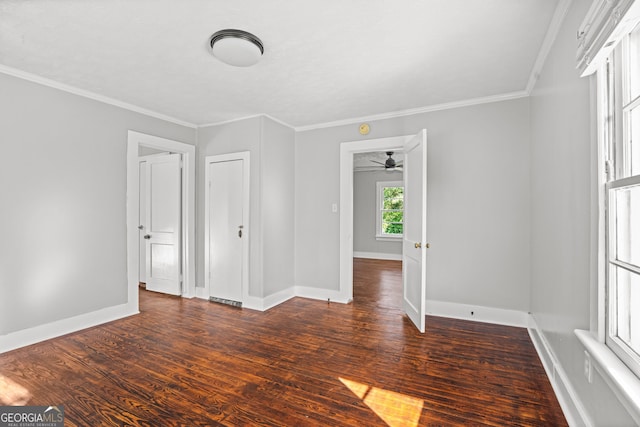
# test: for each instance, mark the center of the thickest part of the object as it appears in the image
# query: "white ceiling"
(324, 60)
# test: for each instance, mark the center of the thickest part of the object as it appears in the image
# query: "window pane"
(393, 228)
(634, 140)
(627, 285)
(393, 204)
(392, 222)
(627, 224)
(634, 63)
(393, 198)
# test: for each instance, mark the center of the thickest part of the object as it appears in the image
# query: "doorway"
(186, 242)
(378, 200)
(347, 152)
(414, 236)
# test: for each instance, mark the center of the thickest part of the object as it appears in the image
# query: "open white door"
(414, 241)
(163, 223)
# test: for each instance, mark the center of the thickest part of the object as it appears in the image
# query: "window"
(621, 150)
(390, 215)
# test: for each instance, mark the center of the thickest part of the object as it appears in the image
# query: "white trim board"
(270, 301)
(427, 109)
(618, 377)
(91, 95)
(572, 406)
(58, 328)
(224, 122)
(257, 303)
(549, 39)
(477, 313)
(377, 255)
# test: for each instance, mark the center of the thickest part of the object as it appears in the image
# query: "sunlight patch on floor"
(12, 393)
(395, 409)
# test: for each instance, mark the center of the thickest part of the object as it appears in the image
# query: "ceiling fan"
(390, 163)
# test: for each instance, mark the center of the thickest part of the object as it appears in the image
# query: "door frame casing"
(245, 156)
(347, 150)
(134, 141)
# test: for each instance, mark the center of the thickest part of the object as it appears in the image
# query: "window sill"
(381, 238)
(618, 376)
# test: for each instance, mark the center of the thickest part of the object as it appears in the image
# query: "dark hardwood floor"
(305, 362)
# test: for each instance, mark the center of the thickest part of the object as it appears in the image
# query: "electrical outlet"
(588, 369)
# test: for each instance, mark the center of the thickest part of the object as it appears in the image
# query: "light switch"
(334, 208)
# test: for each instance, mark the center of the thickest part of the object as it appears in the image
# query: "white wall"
(271, 219)
(478, 191)
(563, 195)
(365, 210)
(243, 135)
(63, 178)
(278, 165)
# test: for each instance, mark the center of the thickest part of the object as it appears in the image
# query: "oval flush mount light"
(236, 47)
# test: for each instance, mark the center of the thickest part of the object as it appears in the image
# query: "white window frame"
(619, 376)
(380, 186)
(618, 106)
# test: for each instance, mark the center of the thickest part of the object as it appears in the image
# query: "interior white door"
(227, 233)
(163, 223)
(142, 215)
(414, 242)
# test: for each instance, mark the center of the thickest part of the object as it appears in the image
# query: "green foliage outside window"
(392, 210)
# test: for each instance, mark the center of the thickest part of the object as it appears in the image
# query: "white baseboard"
(278, 298)
(477, 313)
(257, 303)
(572, 407)
(201, 292)
(58, 328)
(321, 294)
(377, 255)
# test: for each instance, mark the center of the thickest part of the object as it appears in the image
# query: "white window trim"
(614, 343)
(618, 376)
(383, 237)
(624, 384)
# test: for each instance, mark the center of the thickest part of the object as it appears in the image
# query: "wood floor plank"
(302, 363)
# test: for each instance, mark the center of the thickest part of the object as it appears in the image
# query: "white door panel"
(163, 223)
(414, 242)
(227, 232)
(142, 214)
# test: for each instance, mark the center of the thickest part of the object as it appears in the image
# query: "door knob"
(240, 233)
(147, 236)
(141, 227)
(417, 245)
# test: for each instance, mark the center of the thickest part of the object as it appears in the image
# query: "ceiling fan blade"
(380, 163)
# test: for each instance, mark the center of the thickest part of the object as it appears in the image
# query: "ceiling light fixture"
(236, 47)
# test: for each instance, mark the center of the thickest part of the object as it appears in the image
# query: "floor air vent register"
(226, 301)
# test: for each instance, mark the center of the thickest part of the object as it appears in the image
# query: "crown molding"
(413, 111)
(90, 95)
(226, 122)
(239, 119)
(549, 39)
